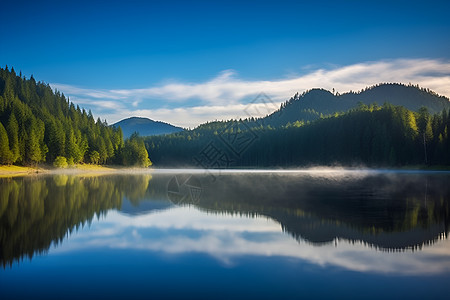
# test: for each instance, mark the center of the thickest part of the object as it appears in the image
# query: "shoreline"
(13, 171)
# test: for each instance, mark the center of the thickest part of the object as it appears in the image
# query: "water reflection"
(388, 210)
(331, 215)
(36, 212)
(228, 238)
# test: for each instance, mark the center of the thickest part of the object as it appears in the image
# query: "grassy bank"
(18, 170)
(11, 170)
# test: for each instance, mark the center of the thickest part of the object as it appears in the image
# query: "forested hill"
(315, 103)
(371, 135)
(39, 125)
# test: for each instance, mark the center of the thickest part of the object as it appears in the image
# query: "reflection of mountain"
(145, 207)
(319, 231)
(388, 211)
(393, 211)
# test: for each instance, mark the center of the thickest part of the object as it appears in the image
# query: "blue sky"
(191, 61)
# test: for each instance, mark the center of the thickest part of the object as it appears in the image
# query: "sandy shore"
(10, 171)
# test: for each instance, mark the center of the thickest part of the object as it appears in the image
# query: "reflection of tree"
(38, 211)
(135, 187)
(386, 211)
(389, 212)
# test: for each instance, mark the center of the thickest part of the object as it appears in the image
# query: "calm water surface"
(226, 235)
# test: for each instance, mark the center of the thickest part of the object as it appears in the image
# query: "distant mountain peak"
(318, 91)
(145, 127)
(139, 119)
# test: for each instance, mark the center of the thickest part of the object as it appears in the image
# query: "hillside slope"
(40, 125)
(315, 103)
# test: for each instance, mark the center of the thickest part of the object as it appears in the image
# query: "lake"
(196, 234)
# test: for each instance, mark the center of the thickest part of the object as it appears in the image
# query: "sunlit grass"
(79, 169)
(11, 170)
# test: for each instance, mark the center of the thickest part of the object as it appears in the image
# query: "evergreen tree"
(13, 134)
(135, 153)
(5, 153)
(425, 130)
(2, 104)
(33, 153)
(72, 150)
(102, 151)
(94, 157)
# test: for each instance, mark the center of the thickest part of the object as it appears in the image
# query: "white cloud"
(193, 116)
(223, 97)
(227, 237)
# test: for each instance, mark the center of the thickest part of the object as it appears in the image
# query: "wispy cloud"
(228, 237)
(191, 116)
(225, 96)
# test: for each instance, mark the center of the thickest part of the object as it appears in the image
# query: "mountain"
(145, 127)
(366, 135)
(310, 105)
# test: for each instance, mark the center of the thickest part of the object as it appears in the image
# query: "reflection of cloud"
(222, 97)
(186, 229)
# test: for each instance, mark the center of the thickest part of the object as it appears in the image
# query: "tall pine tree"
(5, 154)
(13, 134)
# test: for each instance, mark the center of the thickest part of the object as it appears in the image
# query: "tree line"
(368, 134)
(40, 125)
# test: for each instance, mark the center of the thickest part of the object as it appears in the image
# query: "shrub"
(60, 162)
